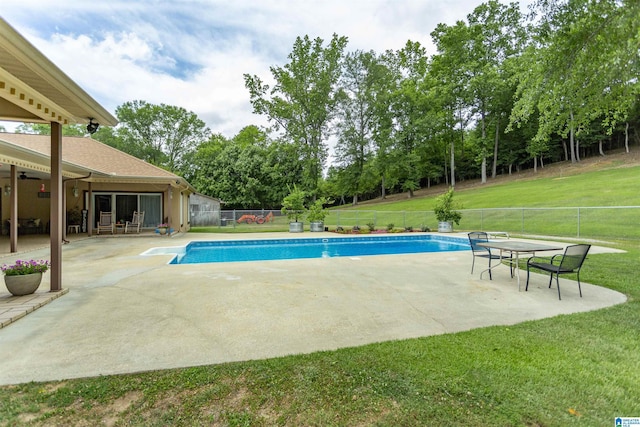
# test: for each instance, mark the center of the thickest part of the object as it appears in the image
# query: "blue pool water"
(277, 249)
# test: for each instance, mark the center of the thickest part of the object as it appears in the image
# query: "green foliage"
(303, 100)
(445, 208)
(293, 204)
(163, 135)
(316, 210)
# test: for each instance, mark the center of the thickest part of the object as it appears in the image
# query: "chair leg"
(558, 285)
(473, 262)
(579, 288)
(490, 277)
(526, 288)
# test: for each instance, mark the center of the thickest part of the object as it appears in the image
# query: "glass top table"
(515, 248)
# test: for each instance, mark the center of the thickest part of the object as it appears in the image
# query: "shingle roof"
(107, 162)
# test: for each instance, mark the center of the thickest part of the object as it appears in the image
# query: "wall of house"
(32, 204)
(33, 214)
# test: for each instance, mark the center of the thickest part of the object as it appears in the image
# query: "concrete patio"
(125, 312)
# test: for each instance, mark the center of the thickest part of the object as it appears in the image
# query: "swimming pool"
(279, 249)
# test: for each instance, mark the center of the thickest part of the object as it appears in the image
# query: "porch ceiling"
(34, 90)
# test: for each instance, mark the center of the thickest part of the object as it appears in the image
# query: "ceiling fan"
(23, 175)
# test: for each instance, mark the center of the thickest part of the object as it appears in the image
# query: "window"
(124, 204)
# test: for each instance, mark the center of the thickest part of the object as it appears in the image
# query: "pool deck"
(122, 312)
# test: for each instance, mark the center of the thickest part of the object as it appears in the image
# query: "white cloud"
(194, 53)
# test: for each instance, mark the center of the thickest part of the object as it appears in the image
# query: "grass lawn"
(580, 369)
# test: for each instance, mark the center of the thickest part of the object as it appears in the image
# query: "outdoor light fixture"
(75, 189)
(92, 127)
(42, 189)
(7, 190)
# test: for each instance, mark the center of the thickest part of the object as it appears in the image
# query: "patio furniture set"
(509, 251)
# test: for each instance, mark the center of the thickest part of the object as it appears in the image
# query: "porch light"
(75, 190)
(42, 190)
(92, 127)
(7, 190)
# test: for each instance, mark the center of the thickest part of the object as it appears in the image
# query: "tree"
(160, 134)
(247, 171)
(583, 66)
(45, 129)
(303, 100)
(363, 83)
(452, 83)
(495, 34)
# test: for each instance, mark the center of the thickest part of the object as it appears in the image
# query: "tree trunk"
(383, 190)
(626, 137)
(577, 150)
(453, 167)
(355, 200)
(484, 155)
(571, 140)
(600, 148)
(494, 170)
(535, 164)
(566, 152)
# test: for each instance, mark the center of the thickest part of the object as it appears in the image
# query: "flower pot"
(296, 227)
(316, 226)
(162, 230)
(24, 284)
(445, 227)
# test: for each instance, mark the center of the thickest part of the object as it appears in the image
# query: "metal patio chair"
(476, 237)
(569, 262)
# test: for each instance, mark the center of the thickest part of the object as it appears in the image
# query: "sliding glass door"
(151, 205)
(122, 205)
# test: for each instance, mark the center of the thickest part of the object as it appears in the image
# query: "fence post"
(522, 231)
(578, 222)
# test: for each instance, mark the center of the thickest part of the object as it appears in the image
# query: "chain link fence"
(617, 222)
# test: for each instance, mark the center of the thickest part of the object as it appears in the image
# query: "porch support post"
(56, 207)
(13, 210)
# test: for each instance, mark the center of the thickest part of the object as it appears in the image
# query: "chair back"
(138, 218)
(573, 257)
(476, 237)
(105, 219)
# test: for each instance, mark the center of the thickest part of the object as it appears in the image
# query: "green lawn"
(581, 369)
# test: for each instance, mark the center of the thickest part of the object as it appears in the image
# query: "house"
(96, 178)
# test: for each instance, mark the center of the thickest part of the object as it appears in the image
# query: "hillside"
(613, 160)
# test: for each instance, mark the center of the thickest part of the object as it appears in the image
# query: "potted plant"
(24, 277)
(446, 213)
(74, 217)
(162, 228)
(316, 214)
(293, 208)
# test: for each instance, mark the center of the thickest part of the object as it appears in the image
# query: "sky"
(194, 53)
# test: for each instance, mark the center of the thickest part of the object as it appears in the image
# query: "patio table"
(517, 248)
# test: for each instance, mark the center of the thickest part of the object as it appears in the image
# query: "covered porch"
(34, 90)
